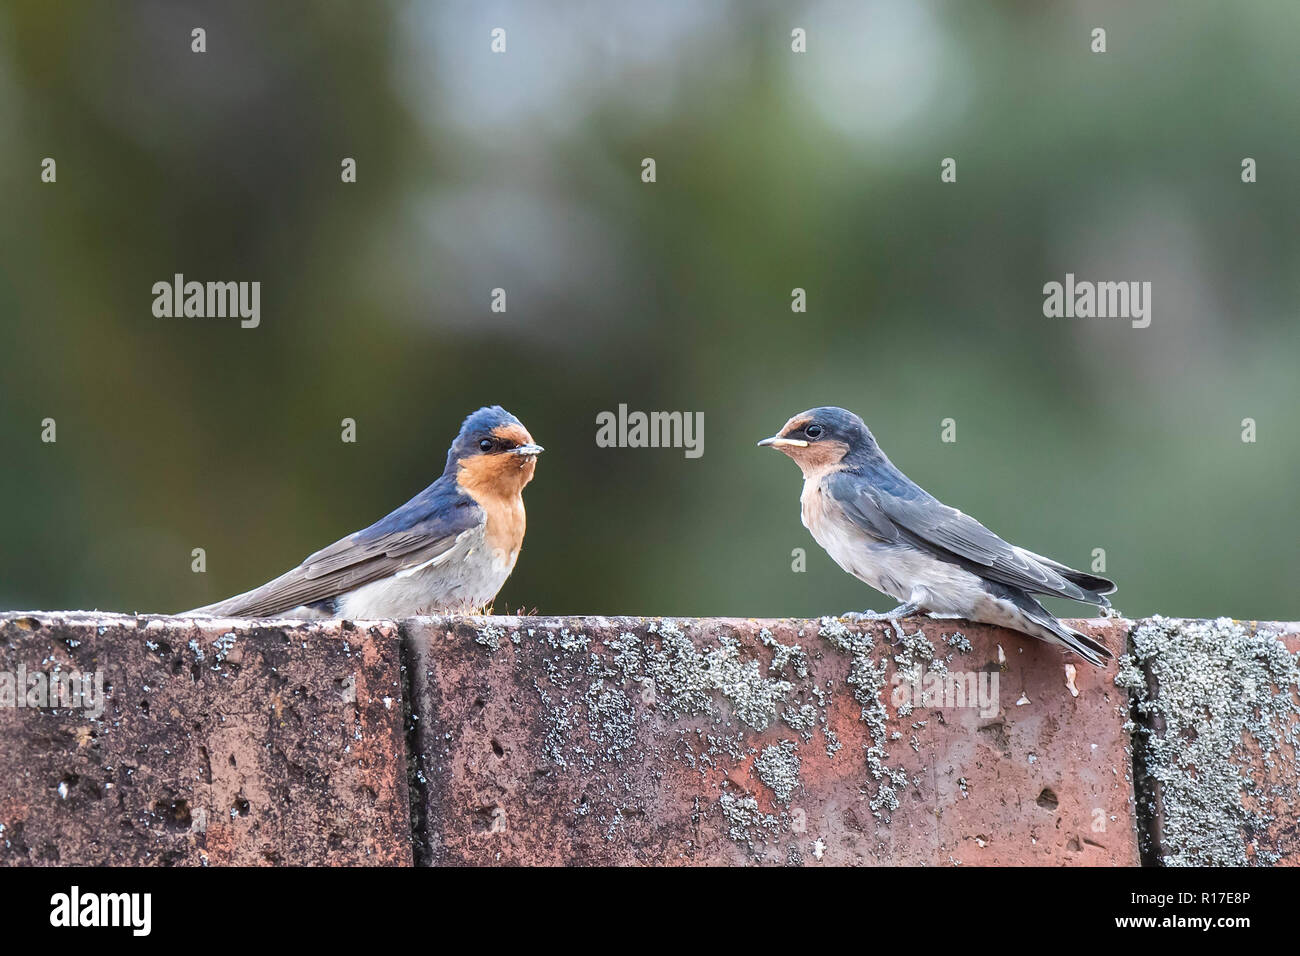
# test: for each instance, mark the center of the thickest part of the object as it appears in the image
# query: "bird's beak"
(776, 441)
(532, 450)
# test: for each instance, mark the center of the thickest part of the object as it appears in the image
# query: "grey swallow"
(883, 528)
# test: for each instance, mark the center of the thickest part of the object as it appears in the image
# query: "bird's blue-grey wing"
(422, 530)
(859, 506)
(892, 508)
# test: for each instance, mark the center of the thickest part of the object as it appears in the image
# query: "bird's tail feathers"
(1093, 585)
(1092, 596)
(1090, 582)
(240, 605)
(1090, 649)
(225, 608)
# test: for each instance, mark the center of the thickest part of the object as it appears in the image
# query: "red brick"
(1219, 721)
(542, 751)
(282, 745)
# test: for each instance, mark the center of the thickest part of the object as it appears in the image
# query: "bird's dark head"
(494, 454)
(822, 440)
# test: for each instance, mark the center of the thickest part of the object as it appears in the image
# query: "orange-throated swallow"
(450, 548)
(884, 529)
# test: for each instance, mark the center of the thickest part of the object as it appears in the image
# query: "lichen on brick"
(1220, 693)
(686, 678)
(744, 819)
(867, 677)
(778, 767)
(802, 719)
(784, 655)
(490, 636)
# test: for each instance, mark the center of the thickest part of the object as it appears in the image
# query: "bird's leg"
(898, 632)
(897, 614)
(903, 610)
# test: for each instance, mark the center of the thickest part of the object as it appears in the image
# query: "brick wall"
(642, 740)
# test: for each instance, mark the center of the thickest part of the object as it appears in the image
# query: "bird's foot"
(897, 614)
(898, 632)
(893, 617)
(854, 617)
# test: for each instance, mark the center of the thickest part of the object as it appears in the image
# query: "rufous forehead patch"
(794, 424)
(515, 433)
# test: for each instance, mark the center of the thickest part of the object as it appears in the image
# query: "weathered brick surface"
(632, 740)
(593, 740)
(225, 742)
(1218, 704)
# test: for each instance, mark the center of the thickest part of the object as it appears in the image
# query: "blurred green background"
(522, 170)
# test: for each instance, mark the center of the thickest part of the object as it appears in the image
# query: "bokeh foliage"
(522, 171)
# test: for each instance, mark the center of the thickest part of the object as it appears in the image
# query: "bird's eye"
(813, 431)
(485, 445)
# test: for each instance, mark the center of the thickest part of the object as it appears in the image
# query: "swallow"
(884, 529)
(448, 549)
